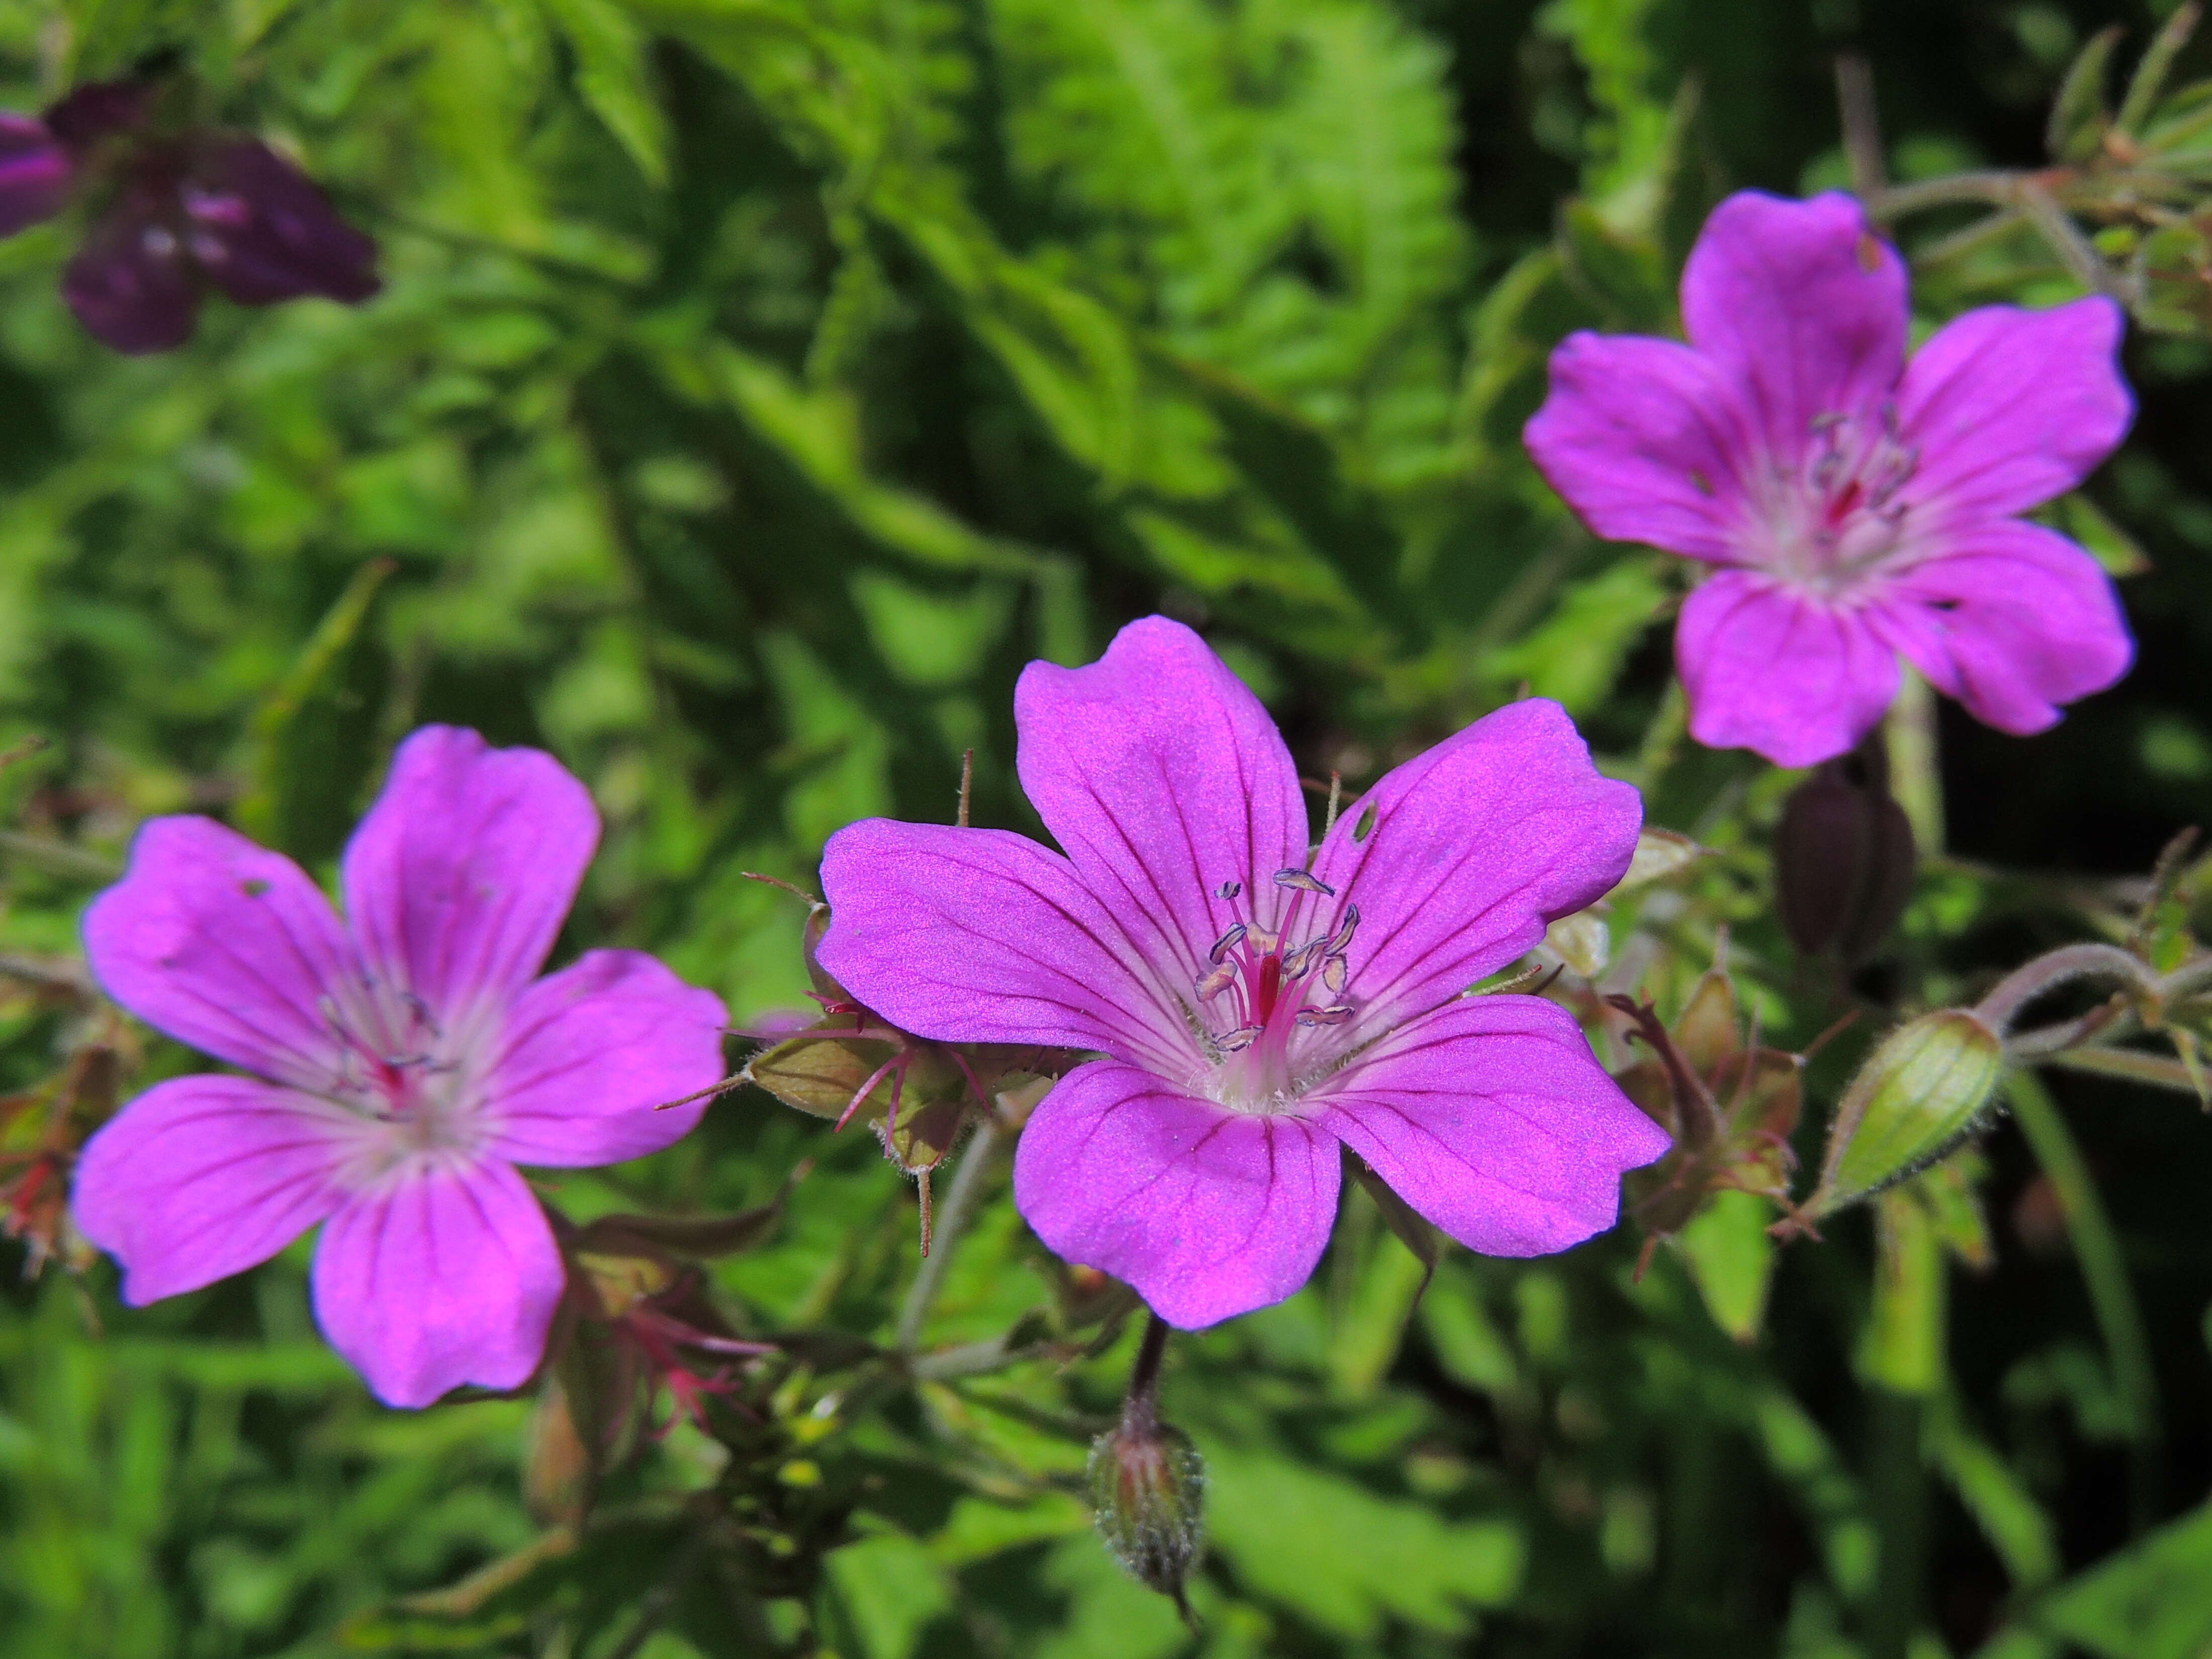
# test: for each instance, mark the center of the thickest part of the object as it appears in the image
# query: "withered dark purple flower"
(176, 213)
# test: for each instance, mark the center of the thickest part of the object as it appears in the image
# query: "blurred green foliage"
(757, 386)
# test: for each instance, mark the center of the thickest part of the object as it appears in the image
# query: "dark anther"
(1227, 942)
(1304, 881)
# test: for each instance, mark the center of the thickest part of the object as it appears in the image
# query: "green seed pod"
(1921, 1093)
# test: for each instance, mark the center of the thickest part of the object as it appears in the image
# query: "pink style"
(1257, 1002)
(1856, 507)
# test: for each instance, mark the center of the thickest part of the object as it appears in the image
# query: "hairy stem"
(2004, 1005)
(1140, 1412)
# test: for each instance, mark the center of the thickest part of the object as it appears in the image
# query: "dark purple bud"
(100, 109)
(1844, 858)
(132, 284)
(262, 232)
(35, 173)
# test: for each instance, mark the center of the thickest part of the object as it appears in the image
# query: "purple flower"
(403, 1063)
(1257, 1002)
(181, 212)
(35, 173)
(1858, 507)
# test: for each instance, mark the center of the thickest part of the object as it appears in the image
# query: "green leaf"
(2147, 1603)
(889, 1588)
(1731, 1260)
(1578, 652)
(1348, 1561)
(2149, 78)
(613, 75)
(2079, 115)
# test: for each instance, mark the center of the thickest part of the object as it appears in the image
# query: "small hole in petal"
(254, 887)
(1365, 827)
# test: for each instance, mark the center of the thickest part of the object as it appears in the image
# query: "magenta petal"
(2013, 622)
(1208, 1212)
(1493, 1118)
(588, 1052)
(2008, 408)
(981, 935)
(446, 1273)
(132, 284)
(35, 173)
(264, 232)
(1800, 303)
(1768, 669)
(1645, 440)
(1459, 858)
(1162, 777)
(201, 1177)
(225, 946)
(457, 880)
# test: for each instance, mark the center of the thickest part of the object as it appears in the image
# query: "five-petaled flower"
(1257, 1002)
(1858, 507)
(176, 211)
(404, 1062)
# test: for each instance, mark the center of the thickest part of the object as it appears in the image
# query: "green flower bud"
(1920, 1093)
(1147, 1489)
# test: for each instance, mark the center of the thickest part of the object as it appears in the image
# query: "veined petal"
(586, 1055)
(2008, 408)
(201, 1177)
(225, 946)
(1802, 305)
(2012, 621)
(458, 879)
(1492, 1117)
(35, 173)
(1458, 860)
(1208, 1212)
(263, 231)
(1767, 668)
(444, 1273)
(982, 936)
(1646, 440)
(132, 284)
(1162, 778)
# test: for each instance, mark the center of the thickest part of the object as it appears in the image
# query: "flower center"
(1838, 516)
(398, 1066)
(1270, 1006)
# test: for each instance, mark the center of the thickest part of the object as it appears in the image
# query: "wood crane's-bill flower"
(1856, 507)
(403, 1061)
(1255, 1002)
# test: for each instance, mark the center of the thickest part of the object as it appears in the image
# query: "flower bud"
(1147, 1489)
(1843, 865)
(1919, 1094)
